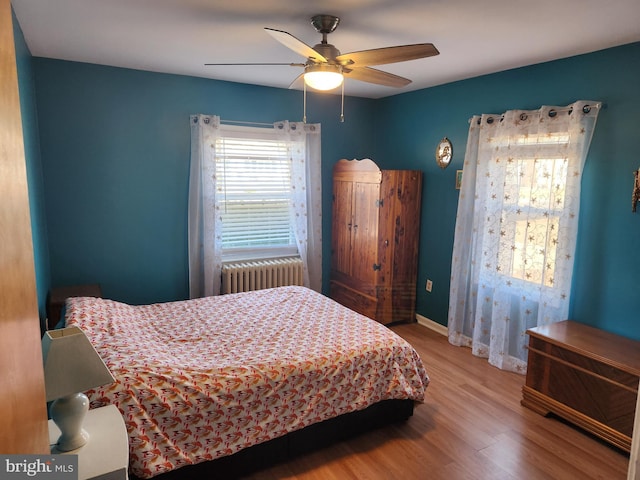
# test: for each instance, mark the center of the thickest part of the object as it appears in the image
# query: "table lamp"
(71, 366)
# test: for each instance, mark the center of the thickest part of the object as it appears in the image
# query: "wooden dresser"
(374, 239)
(586, 376)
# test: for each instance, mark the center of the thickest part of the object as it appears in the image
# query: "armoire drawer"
(362, 304)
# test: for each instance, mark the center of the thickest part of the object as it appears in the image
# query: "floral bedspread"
(204, 378)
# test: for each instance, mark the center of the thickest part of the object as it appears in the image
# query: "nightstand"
(106, 454)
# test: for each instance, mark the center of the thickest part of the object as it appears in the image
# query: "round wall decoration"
(444, 153)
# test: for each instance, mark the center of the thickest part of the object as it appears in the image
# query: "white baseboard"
(430, 324)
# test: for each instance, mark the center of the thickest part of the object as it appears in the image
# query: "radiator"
(256, 275)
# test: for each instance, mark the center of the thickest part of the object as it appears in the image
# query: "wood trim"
(367, 170)
(544, 405)
(634, 459)
(432, 325)
(22, 401)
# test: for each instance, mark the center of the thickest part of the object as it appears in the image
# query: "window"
(253, 171)
(254, 193)
(533, 204)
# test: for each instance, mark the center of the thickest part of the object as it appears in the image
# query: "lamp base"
(68, 414)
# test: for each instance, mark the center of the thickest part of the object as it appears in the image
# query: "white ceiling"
(474, 37)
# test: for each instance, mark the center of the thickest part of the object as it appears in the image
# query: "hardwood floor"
(471, 426)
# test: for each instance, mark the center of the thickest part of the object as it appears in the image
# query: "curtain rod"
(239, 122)
(554, 111)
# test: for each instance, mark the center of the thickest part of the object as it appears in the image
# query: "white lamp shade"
(323, 77)
(71, 363)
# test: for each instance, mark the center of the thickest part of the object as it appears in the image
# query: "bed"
(202, 379)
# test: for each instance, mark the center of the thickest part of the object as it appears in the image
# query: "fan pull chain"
(342, 106)
(304, 102)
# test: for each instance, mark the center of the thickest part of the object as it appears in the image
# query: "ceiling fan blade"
(297, 82)
(371, 75)
(296, 45)
(381, 56)
(263, 64)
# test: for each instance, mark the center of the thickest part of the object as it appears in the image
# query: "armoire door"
(364, 237)
(341, 227)
(23, 428)
(354, 242)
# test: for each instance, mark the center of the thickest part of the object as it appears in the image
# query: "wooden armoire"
(374, 239)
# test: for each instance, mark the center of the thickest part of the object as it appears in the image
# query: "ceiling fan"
(326, 67)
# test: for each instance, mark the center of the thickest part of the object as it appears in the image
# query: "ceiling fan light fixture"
(323, 77)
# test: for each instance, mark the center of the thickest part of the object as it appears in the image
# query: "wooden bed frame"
(313, 437)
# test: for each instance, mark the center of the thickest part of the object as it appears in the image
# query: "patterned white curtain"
(205, 241)
(516, 227)
(306, 195)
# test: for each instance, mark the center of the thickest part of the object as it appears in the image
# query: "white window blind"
(254, 182)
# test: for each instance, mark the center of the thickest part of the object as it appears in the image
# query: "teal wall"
(115, 153)
(34, 168)
(606, 286)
